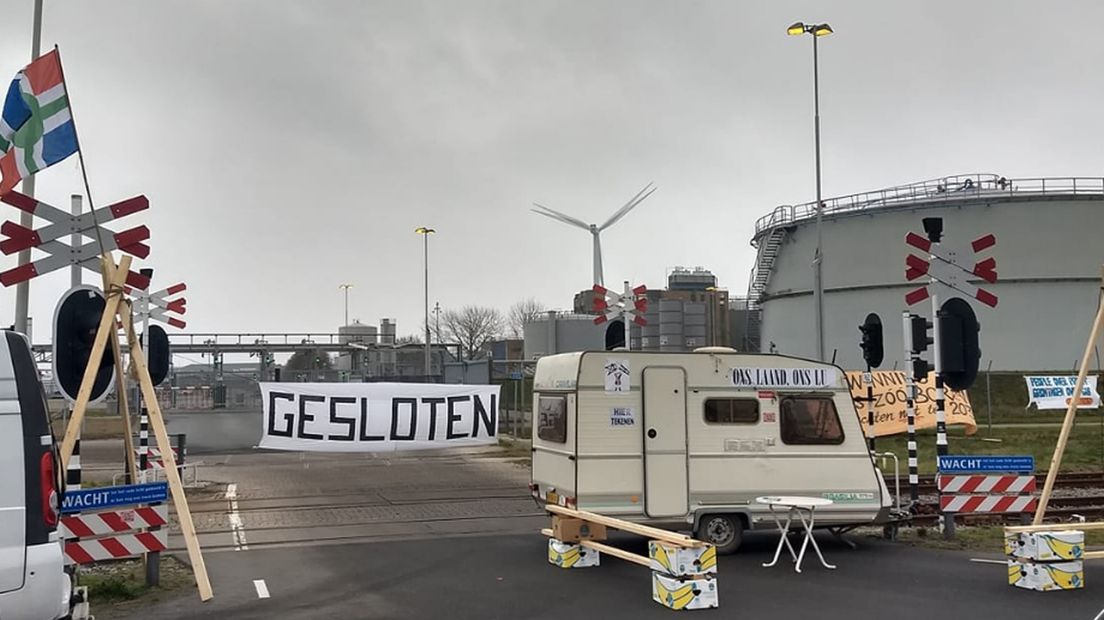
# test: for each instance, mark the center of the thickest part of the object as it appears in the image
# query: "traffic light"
(871, 343)
(76, 320)
(919, 329)
(157, 353)
(615, 335)
(959, 350)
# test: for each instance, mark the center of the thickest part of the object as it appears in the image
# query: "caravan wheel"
(725, 532)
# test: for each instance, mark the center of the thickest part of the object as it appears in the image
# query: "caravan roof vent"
(715, 350)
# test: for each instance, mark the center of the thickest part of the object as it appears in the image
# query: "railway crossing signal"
(62, 223)
(871, 344)
(612, 306)
(75, 321)
(157, 305)
(961, 353)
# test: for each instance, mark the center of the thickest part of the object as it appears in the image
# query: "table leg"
(784, 531)
(809, 537)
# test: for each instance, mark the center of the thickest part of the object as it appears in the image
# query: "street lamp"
(817, 30)
(425, 233)
(346, 287)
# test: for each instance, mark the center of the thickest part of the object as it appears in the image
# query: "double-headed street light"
(425, 233)
(346, 287)
(817, 30)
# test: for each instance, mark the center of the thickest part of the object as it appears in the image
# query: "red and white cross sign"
(616, 305)
(61, 254)
(946, 270)
(157, 305)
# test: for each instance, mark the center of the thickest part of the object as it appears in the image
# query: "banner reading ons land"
(377, 417)
(890, 417)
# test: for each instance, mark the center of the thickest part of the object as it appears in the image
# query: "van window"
(810, 420)
(731, 411)
(552, 419)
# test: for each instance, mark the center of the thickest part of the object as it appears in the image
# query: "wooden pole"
(124, 408)
(113, 292)
(157, 423)
(1071, 412)
(627, 526)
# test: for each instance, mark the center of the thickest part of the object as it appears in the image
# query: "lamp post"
(425, 233)
(346, 287)
(817, 30)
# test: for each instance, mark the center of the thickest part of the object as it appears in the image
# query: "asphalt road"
(508, 577)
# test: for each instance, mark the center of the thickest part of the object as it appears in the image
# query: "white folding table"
(800, 506)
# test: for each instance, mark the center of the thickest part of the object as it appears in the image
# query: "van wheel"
(725, 532)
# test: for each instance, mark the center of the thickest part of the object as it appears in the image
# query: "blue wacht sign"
(966, 464)
(84, 500)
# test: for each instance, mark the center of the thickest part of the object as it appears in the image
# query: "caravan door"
(666, 488)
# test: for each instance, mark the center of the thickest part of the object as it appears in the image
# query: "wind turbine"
(595, 230)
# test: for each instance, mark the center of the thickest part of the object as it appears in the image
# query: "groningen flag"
(36, 128)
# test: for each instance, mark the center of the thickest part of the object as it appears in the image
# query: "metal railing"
(952, 188)
(244, 339)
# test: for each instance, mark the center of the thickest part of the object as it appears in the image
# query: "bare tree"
(472, 327)
(522, 312)
(309, 359)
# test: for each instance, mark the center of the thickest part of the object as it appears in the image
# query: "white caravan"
(689, 440)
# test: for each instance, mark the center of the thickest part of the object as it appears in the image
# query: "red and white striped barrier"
(113, 521)
(115, 547)
(980, 483)
(987, 503)
(154, 459)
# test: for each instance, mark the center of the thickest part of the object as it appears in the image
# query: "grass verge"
(981, 538)
(122, 585)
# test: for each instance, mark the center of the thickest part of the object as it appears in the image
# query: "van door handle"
(651, 433)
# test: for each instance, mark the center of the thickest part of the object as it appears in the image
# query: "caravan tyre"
(725, 532)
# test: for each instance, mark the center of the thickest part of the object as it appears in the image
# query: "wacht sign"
(377, 417)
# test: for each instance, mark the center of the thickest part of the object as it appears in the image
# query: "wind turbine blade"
(556, 215)
(629, 206)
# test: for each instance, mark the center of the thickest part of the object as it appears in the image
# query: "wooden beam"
(608, 550)
(1054, 527)
(1093, 555)
(1067, 424)
(627, 526)
(617, 553)
(114, 280)
(157, 423)
(124, 407)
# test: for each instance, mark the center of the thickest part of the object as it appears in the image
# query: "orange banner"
(890, 417)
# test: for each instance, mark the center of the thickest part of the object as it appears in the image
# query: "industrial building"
(1048, 256)
(382, 358)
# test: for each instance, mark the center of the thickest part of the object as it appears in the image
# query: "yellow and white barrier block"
(682, 561)
(675, 593)
(1045, 546)
(1045, 577)
(569, 555)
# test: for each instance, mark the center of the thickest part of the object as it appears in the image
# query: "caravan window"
(731, 411)
(810, 420)
(552, 419)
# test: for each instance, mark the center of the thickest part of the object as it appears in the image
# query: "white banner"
(1056, 392)
(377, 417)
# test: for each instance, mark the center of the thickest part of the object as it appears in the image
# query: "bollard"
(181, 453)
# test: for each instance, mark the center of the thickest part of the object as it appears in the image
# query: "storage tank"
(693, 324)
(563, 332)
(670, 325)
(387, 331)
(357, 332)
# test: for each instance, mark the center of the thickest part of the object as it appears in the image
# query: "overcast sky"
(289, 147)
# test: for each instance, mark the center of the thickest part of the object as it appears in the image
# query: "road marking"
(262, 589)
(237, 528)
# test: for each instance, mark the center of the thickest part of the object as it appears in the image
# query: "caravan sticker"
(801, 378)
(621, 416)
(617, 375)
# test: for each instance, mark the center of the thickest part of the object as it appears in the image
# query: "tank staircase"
(769, 247)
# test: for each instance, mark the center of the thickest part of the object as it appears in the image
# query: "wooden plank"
(617, 553)
(1067, 424)
(114, 280)
(1054, 527)
(1093, 555)
(627, 526)
(124, 408)
(157, 423)
(547, 532)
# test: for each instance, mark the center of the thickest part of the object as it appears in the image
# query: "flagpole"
(23, 289)
(80, 153)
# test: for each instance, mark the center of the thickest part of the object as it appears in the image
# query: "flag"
(36, 127)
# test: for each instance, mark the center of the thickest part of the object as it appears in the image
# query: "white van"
(689, 440)
(33, 581)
